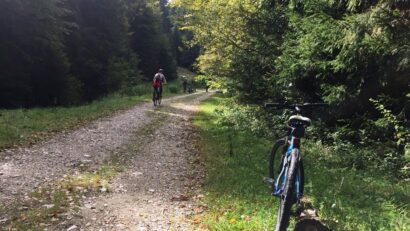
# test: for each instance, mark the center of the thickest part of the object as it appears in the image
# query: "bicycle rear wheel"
(156, 98)
(287, 197)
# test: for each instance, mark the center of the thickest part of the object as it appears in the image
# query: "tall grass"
(26, 126)
(234, 191)
(346, 199)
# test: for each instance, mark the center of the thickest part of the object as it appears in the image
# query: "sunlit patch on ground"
(9, 170)
(183, 106)
(173, 114)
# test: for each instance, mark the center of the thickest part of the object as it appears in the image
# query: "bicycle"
(157, 98)
(289, 182)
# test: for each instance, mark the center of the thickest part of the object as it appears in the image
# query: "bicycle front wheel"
(287, 197)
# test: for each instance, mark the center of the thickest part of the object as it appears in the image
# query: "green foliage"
(242, 118)
(210, 81)
(170, 88)
(401, 130)
(174, 89)
(232, 48)
(26, 126)
(342, 53)
(137, 90)
(33, 64)
(398, 126)
(233, 191)
(347, 199)
(186, 50)
(149, 40)
(303, 51)
(377, 151)
(98, 46)
(67, 52)
(353, 199)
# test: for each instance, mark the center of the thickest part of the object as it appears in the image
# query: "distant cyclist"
(157, 82)
(161, 78)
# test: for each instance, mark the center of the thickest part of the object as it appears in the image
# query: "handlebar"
(296, 107)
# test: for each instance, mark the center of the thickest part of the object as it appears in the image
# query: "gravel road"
(156, 192)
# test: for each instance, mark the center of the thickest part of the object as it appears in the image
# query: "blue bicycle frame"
(280, 181)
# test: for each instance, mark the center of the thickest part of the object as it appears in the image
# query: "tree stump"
(308, 221)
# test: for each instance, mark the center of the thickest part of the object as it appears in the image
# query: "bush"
(361, 144)
(246, 118)
(137, 90)
(173, 89)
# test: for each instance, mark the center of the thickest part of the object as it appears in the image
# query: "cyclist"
(156, 84)
(161, 77)
(184, 84)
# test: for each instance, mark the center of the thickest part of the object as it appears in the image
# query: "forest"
(353, 55)
(66, 63)
(70, 52)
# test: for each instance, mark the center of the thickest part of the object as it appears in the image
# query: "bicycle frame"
(294, 143)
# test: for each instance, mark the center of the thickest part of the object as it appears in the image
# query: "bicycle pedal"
(269, 181)
(277, 193)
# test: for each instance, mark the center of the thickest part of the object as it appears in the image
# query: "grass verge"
(237, 199)
(27, 126)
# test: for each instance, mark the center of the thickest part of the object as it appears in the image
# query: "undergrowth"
(346, 198)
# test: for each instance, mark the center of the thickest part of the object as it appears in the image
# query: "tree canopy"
(352, 54)
(62, 52)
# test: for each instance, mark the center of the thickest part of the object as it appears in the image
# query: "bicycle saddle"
(298, 119)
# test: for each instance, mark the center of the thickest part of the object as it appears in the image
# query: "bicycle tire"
(286, 199)
(155, 99)
(301, 176)
(274, 161)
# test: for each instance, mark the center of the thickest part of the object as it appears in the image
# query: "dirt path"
(152, 194)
